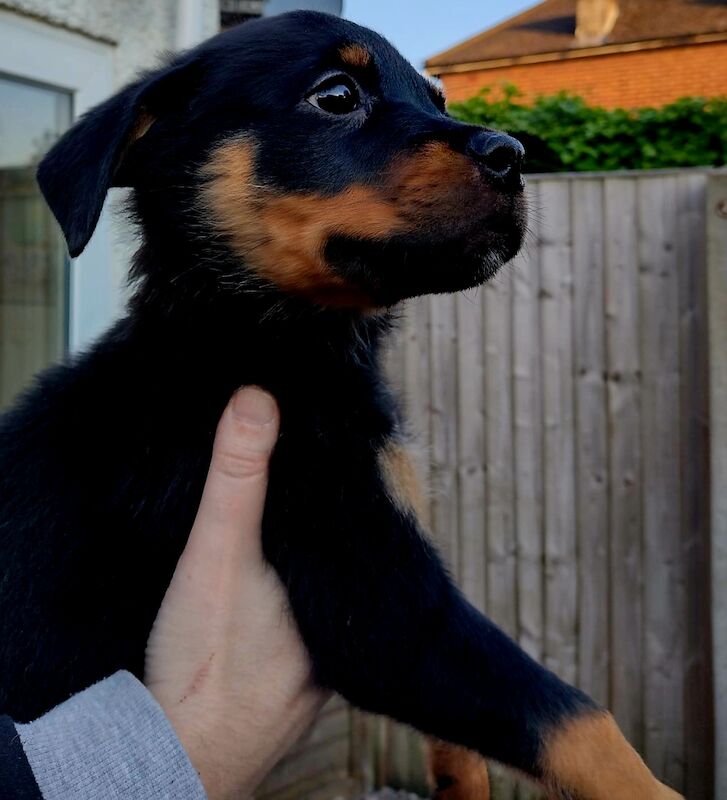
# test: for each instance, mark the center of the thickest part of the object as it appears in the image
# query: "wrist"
(233, 746)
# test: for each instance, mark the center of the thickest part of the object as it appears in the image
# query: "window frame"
(43, 53)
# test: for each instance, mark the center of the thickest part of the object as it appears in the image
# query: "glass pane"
(33, 262)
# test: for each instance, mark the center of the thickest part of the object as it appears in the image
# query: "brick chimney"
(595, 19)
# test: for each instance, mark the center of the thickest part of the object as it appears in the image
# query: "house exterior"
(236, 11)
(58, 58)
(233, 12)
(615, 53)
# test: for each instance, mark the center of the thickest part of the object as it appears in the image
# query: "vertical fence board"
(663, 687)
(694, 458)
(444, 426)
(501, 566)
(471, 485)
(527, 451)
(558, 449)
(624, 456)
(501, 598)
(399, 767)
(395, 361)
(717, 293)
(415, 330)
(591, 438)
(527, 444)
(363, 746)
(503, 785)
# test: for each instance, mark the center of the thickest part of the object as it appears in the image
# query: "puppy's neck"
(207, 305)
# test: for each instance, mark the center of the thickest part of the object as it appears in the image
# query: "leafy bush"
(562, 133)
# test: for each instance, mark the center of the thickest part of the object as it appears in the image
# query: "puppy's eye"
(338, 95)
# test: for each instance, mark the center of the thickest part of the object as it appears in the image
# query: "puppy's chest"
(333, 429)
(339, 475)
(336, 439)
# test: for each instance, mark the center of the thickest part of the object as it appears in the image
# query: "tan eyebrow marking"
(355, 55)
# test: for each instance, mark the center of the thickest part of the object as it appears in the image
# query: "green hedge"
(564, 134)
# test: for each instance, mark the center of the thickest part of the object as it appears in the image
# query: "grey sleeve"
(109, 742)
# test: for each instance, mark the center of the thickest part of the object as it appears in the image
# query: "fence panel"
(569, 488)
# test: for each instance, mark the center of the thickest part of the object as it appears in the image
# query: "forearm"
(109, 741)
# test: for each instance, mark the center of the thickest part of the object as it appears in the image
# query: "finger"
(230, 512)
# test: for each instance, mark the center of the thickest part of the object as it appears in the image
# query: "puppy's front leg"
(387, 629)
(496, 700)
(581, 752)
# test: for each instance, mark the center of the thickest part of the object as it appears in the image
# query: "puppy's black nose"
(500, 155)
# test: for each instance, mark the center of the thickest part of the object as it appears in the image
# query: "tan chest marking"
(283, 236)
(401, 478)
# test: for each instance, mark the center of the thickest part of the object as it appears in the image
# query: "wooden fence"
(564, 412)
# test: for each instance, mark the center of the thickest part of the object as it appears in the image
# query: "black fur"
(103, 461)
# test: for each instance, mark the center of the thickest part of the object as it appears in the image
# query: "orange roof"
(550, 27)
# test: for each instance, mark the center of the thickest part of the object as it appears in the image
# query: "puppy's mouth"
(429, 262)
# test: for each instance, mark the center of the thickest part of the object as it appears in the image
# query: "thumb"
(231, 509)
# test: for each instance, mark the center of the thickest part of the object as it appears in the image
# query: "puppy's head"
(307, 153)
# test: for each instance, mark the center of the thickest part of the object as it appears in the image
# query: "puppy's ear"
(87, 160)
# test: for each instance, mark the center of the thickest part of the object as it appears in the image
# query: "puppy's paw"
(456, 773)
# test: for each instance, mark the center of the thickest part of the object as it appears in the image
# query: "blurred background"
(572, 413)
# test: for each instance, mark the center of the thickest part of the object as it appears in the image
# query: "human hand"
(224, 658)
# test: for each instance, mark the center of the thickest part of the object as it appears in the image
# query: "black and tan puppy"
(293, 178)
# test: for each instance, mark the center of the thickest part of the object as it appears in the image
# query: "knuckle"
(242, 462)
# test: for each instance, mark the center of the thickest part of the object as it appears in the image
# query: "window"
(48, 77)
(33, 264)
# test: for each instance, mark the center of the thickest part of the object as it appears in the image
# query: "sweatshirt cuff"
(111, 741)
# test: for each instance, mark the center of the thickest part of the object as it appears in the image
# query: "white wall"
(140, 29)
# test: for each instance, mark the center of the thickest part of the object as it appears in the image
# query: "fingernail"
(254, 406)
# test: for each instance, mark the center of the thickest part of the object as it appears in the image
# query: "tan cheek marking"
(355, 55)
(283, 236)
(461, 773)
(402, 481)
(590, 757)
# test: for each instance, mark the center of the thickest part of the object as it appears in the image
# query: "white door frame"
(40, 52)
